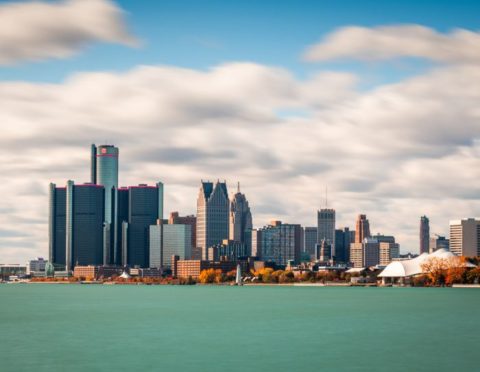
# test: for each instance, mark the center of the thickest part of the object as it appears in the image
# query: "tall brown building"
(362, 229)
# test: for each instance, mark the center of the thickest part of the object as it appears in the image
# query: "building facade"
(424, 234)
(343, 238)
(365, 254)
(326, 226)
(362, 228)
(465, 237)
(212, 215)
(145, 207)
(278, 243)
(439, 242)
(309, 241)
(241, 220)
(167, 240)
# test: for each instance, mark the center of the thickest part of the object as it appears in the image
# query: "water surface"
(215, 328)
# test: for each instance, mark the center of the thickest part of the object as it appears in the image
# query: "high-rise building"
(309, 241)
(343, 238)
(326, 226)
(388, 248)
(424, 234)
(167, 240)
(439, 242)
(106, 168)
(76, 225)
(212, 215)
(145, 207)
(241, 220)
(84, 226)
(104, 171)
(465, 237)
(365, 254)
(278, 243)
(362, 228)
(191, 220)
(56, 226)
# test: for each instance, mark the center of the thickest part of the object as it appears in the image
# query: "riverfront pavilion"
(400, 271)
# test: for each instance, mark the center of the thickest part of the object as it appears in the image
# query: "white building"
(409, 268)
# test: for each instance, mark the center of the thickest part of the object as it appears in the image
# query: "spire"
(238, 187)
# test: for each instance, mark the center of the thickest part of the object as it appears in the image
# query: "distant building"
(212, 215)
(241, 220)
(95, 272)
(424, 234)
(7, 270)
(57, 225)
(230, 250)
(343, 238)
(362, 228)
(145, 207)
(326, 226)
(193, 268)
(76, 225)
(167, 240)
(309, 241)
(37, 265)
(465, 237)
(323, 251)
(278, 243)
(365, 254)
(388, 251)
(439, 242)
(191, 220)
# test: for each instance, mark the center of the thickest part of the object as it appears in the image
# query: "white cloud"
(396, 152)
(37, 30)
(387, 42)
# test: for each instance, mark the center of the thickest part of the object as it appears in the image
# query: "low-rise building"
(7, 270)
(35, 266)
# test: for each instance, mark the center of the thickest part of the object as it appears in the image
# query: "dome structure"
(407, 268)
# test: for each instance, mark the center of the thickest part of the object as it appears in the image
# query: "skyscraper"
(326, 226)
(84, 225)
(240, 220)
(145, 207)
(424, 234)
(104, 171)
(212, 215)
(56, 225)
(362, 228)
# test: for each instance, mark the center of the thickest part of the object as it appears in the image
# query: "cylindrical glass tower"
(107, 174)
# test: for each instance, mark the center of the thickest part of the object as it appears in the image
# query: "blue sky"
(202, 34)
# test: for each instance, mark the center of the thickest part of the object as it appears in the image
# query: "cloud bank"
(387, 42)
(395, 152)
(37, 30)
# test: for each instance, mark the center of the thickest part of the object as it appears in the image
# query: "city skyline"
(286, 110)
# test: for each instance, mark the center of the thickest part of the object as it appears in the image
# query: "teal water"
(211, 328)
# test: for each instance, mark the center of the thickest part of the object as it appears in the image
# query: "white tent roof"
(398, 269)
